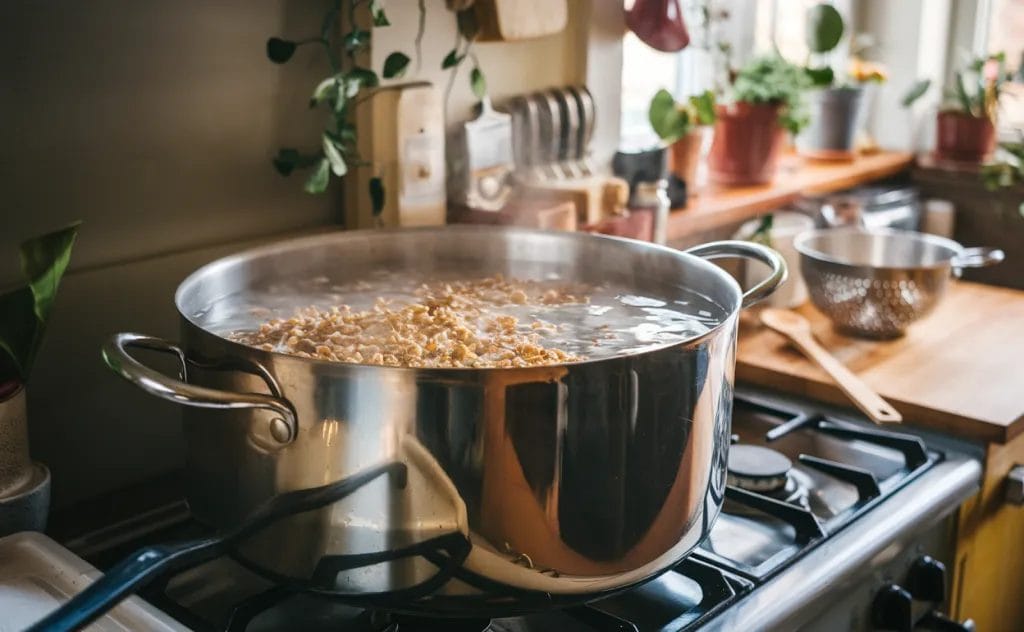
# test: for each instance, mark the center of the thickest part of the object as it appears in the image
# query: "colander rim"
(800, 244)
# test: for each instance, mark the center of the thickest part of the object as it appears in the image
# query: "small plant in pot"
(765, 102)
(24, 312)
(835, 104)
(686, 127)
(966, 124)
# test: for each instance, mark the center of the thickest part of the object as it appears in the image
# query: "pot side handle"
(977, 258)
(283, 426)
(747, 250)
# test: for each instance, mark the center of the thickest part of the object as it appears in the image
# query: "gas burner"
(765, 471)
(758, 469)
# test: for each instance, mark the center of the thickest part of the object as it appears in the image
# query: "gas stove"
(828, 522)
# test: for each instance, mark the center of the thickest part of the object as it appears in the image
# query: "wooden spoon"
(798, 330)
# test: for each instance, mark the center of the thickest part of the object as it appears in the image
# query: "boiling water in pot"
(580, 322)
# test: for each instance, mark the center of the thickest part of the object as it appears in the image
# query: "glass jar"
(652, 197)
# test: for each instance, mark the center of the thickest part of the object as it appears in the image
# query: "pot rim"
(242, 349)
(953, 111)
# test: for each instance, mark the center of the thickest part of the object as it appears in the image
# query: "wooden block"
(510, 20)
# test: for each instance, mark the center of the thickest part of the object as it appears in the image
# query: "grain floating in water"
(476, 323)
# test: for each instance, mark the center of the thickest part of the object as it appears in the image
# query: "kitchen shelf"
(716, 207)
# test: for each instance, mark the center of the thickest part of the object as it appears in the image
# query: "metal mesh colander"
(876, 283)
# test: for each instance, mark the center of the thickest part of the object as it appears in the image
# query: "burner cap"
(756, 468)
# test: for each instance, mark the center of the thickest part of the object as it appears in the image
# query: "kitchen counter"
(958, 370)
(714, 207)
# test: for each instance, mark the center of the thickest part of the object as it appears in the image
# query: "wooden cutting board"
(960, 370)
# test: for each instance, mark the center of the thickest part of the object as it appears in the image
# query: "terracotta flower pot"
(748, 140)
(689, 158)
(964, 138)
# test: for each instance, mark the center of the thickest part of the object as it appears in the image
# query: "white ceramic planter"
(24, 485)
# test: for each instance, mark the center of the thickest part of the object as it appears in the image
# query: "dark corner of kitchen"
(512, 315)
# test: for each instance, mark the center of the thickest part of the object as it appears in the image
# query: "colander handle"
(747, 250)
(977, 258)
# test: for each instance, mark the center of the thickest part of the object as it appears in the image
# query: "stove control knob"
(892, 609)
(926, 579)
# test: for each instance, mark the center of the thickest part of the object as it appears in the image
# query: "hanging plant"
(340, 93)
(467, 30)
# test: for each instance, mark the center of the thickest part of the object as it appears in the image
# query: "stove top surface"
(822, 475)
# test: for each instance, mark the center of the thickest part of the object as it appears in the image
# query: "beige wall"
(155, 123)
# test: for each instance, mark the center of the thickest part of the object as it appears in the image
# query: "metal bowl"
(874, 283)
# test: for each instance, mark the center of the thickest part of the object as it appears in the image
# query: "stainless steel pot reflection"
(576, 479)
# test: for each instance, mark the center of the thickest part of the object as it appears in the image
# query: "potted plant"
(686, 128)
(966, 125)
(766, 102)
(835, 104)
(24, 312)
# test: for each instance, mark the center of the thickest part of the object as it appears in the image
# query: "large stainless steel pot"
(566, 481)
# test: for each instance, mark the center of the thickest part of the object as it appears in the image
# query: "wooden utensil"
(798, 330)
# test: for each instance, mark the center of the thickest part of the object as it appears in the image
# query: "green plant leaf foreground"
(25, 311)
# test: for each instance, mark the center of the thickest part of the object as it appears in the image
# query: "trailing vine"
(340, 94)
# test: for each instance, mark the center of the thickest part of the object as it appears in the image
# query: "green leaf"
(395, 65)
(376, 196)
(326, 90)
(377, 12)
(279, 50)
(317, 182)
(704, 106)
(772, 79)
(916, 91)
(346, 132)
(668, 121)
(44, 260)
(356, 40)
(334, 157)
(288, 159)
(18, 333)
(452, 59)
(821, 76)
(824, 28)
(361, 78)
(763, 234)
(285, 161)
(961, 94)
(478, 83)
(25, 312)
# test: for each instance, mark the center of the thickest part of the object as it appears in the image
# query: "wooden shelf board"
(715, 207)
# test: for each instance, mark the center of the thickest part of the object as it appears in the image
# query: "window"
(1004, 31)
(738, 30)
(703, 65)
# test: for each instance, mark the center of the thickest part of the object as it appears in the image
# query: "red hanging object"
(659, 24)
